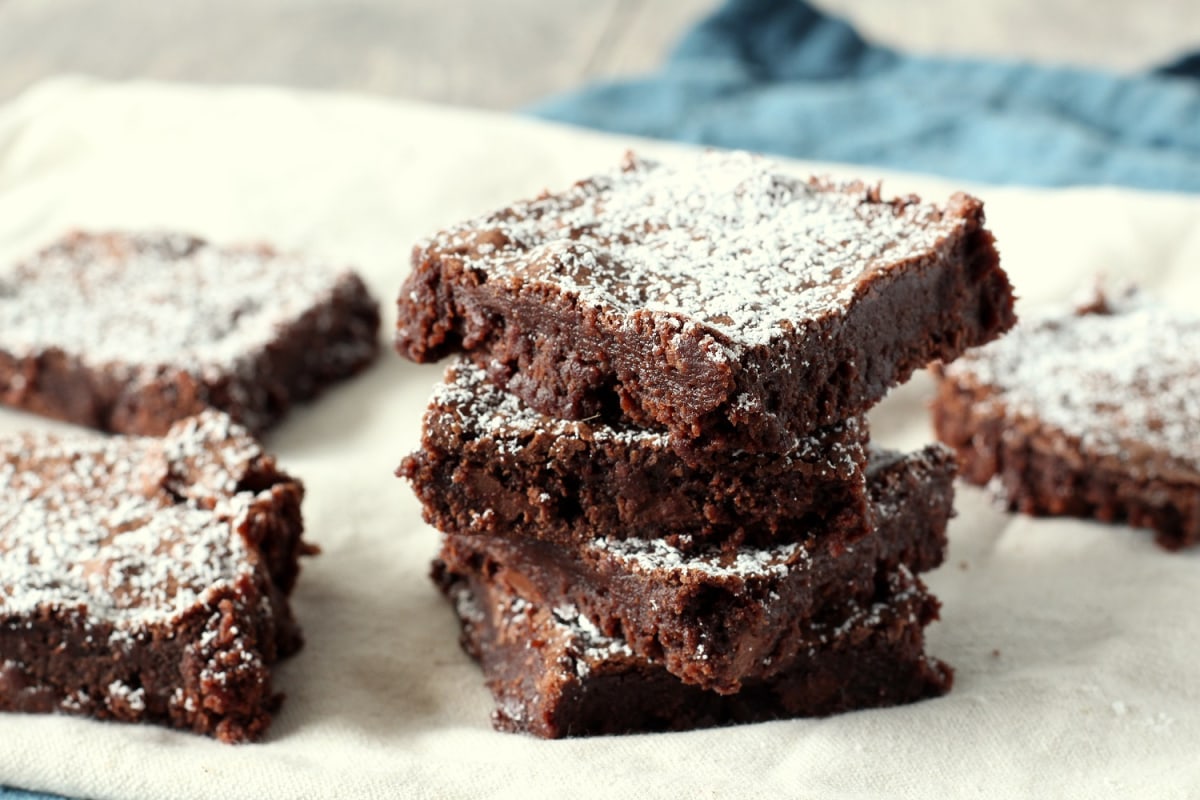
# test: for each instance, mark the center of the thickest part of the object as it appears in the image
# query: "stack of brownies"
(659, 504)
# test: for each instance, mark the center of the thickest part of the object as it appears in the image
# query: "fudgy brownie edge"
(489, 464)
(718, 617)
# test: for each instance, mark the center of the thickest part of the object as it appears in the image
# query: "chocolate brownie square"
(489, 464)
(718, 618)
(1091, 412)
(734, 306)
(130, 332)
(146, 579)
(554, 674)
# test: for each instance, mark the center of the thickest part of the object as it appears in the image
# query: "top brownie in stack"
(735, 307)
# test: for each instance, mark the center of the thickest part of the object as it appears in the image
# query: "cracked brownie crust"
(718, 618)
(147, 579)
(492, 466)
(131, 332)
(735, 307)
(1093, 413)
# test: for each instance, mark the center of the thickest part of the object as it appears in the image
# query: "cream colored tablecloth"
(1077, 645)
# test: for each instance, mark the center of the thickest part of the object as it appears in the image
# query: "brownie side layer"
(554, 675)
(1039, 470)
(243, 330)
(207, 671)
(490, 465)
(553, 309)
(718, 618)
(146, 580)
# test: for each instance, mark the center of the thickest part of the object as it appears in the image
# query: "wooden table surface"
(506, 53)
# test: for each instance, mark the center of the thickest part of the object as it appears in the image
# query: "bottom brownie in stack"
(554, 674)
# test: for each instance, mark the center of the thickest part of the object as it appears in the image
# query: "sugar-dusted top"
(658, 557)
(130, 530)
(152, 300)
(1121, 374)
(723, 240)
(485, 410)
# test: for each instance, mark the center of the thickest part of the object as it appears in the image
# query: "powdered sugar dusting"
(903, 590)
(723, 241)
(198, 470)
(120, 694)
(656, 556)
(1123, 378)
(591, 643)
(143, 303)
(110, 527)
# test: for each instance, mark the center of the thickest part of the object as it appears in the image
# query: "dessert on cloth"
(131, 332)
(147, 579)
(1092, 411)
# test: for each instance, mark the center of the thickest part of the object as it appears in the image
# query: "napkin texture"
(780, 76)
(1075, 644)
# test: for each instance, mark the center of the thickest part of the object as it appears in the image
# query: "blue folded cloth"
(779, 76)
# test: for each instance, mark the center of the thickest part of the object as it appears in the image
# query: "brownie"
(130, 332)
(717, 618)
(1091, 412)
(733, 306)
(489, 464)
(145, 579)
(554, 674)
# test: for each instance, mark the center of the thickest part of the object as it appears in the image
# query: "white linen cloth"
(1076, 645)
